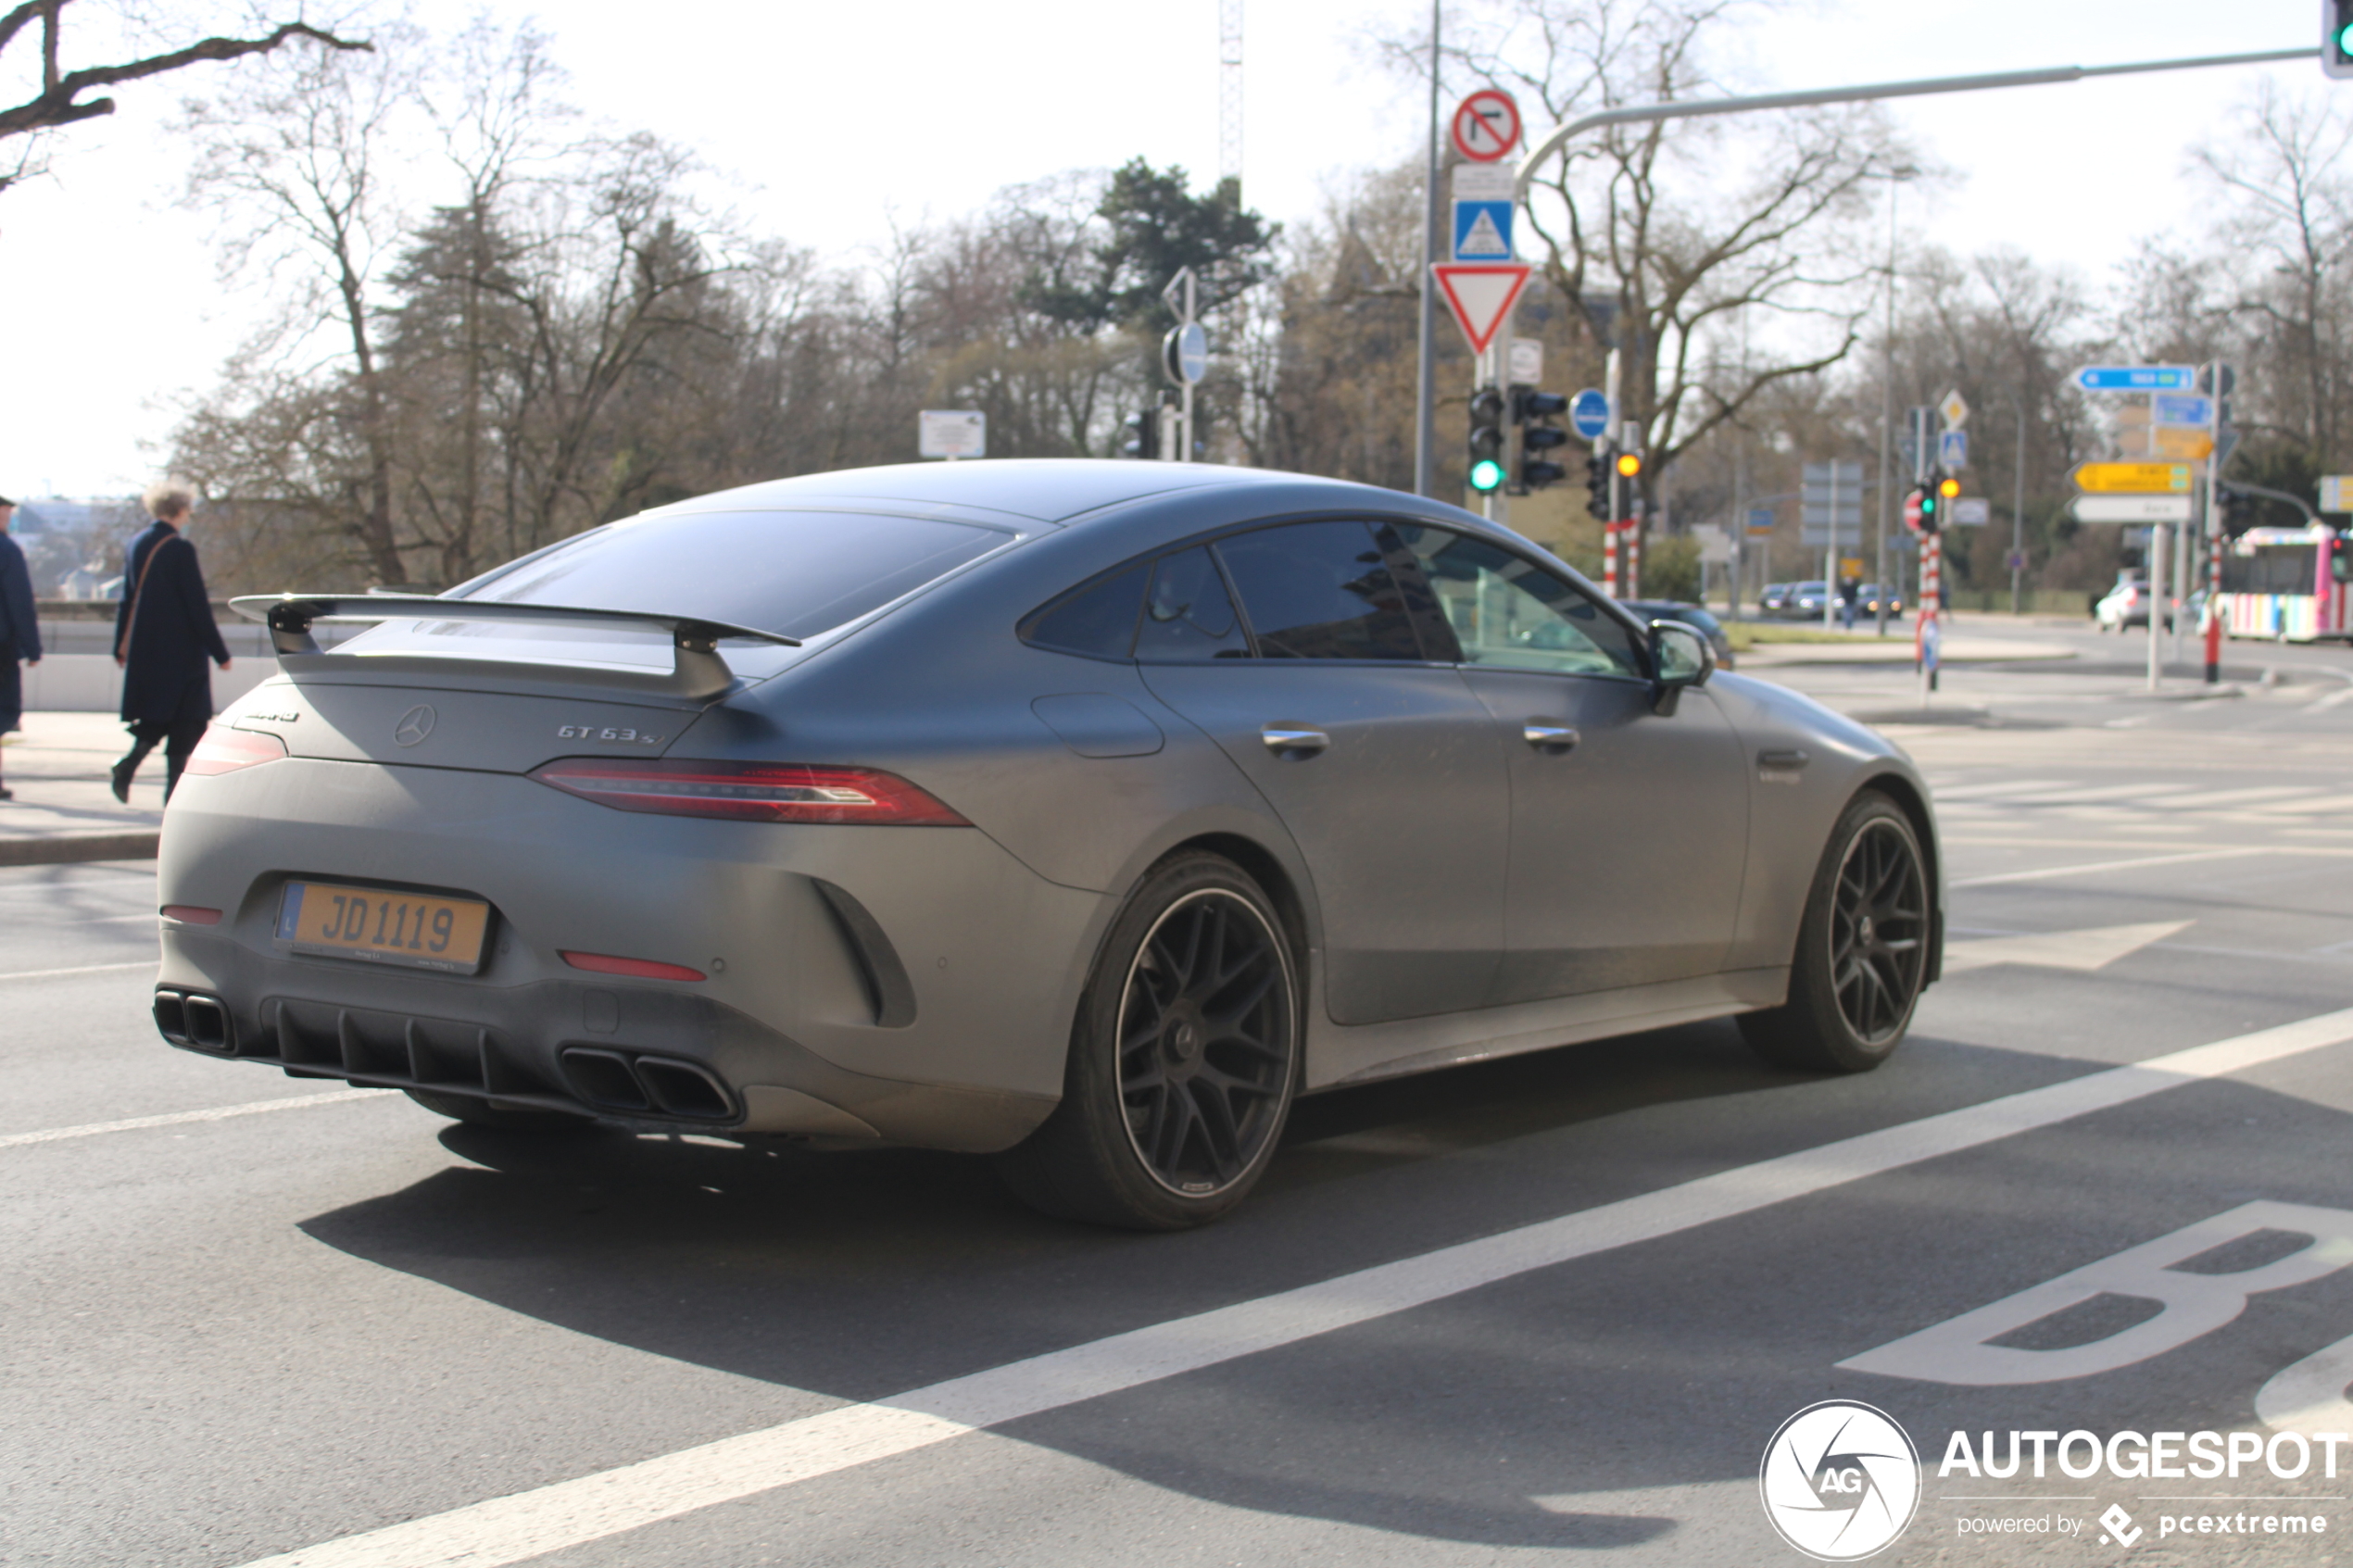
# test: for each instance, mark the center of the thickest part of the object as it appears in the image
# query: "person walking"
(163, 634)
(19, 632)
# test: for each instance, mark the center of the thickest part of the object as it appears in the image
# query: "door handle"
(1295, 742)
(1545, 735)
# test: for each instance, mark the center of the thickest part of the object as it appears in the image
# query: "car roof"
(1039, 489)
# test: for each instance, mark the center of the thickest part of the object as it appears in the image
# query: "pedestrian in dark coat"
(164, 631)
(19, 632)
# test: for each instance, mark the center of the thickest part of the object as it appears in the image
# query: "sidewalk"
(1896, 650)
(56, 768)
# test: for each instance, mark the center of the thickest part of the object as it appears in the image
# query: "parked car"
(1690, 615)
(1794, 601)
(1079, 812)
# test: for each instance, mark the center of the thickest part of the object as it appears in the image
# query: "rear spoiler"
(697, 671)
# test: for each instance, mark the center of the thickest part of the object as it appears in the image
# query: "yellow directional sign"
(2193, 446)
(2140, 478)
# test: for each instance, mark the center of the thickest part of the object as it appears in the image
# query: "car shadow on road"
(863, 1275)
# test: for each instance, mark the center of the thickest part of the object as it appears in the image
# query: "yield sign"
(1482, 295)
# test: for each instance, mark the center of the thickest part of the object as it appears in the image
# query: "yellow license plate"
(416, 929)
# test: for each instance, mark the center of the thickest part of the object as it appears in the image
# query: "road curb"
(66, 847)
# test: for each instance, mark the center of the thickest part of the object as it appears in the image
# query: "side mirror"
(1681, 657)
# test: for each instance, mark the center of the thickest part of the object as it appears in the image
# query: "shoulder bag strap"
(122, 649)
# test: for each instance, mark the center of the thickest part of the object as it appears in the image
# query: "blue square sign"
(1483, 231)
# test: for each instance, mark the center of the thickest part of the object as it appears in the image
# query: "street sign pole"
(2157, 532)
(1426, 381)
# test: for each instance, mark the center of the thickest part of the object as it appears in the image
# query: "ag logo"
(1840, 1480)
(414, 726)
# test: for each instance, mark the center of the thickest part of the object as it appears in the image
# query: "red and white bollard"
(1609, 560)
(2213, 618)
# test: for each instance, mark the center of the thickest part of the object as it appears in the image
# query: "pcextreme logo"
(1840, 1480)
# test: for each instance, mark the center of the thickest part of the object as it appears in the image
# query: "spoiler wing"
(697, 671)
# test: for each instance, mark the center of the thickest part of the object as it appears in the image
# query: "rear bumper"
(940, 1017)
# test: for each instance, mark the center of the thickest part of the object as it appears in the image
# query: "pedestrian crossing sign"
(1483, 231)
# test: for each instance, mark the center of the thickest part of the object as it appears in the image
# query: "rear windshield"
(794, 573)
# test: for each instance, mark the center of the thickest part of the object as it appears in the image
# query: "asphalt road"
(1551, 1306)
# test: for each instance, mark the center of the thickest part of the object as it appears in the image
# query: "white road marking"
(2310, 1397)
(2239, 797)
(1987, 790)
(2083, 951)
(2116, 866)
(177, 1118)
(78, 969)
(568, 1514)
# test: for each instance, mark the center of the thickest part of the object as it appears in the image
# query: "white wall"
(89, 682)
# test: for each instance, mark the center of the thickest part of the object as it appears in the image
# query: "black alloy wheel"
(1862, 950)
(1205, 1043)
(1184, 1058)
(1879, 930)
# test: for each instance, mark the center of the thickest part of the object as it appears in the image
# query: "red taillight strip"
(758, 792)
(635, 969)
(224, 751)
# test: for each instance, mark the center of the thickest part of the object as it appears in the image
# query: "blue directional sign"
(1483, 231)
(1951, 449)
(1588, 414)
(2137, 378)
(2173, 408)
(1760, 521)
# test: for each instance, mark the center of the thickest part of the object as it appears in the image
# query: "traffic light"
(2336, 38)
(2238, 509)
(1630, 465)
(1140, 436)
(1486, 411)
(1932, 498)
(1597, 473)
(1533, 412)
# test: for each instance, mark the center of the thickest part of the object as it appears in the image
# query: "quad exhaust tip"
(613, 1080)
(196, 1021)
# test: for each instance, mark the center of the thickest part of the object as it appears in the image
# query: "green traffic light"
(2344, 39)
(1486, 474)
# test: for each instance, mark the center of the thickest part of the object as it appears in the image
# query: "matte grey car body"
(1451, 888)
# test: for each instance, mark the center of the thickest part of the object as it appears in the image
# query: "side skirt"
(1338, 1055)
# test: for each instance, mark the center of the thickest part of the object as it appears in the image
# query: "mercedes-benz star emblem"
(414, 726)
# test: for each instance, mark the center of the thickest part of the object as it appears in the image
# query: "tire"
(1847, 1009)
(1184, 1058)
(481, 1113)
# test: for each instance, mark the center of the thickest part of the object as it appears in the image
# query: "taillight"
(224, 751)
(751, 792)
(636, 968)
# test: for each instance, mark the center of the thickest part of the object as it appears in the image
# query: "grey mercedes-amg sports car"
(1083, 813)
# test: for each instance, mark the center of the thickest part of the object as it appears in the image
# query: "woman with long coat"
(164, 631)
(19, 631)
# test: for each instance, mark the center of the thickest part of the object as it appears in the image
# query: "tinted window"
(795, 573)
(1319, 590)
(1099, 621)
(1188, 614)
(1511, 612)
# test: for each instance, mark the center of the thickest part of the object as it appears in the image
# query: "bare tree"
(297, 163)
(60, 102)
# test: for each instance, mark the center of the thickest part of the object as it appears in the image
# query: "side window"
(1513, 614)
(1100, 621)
(1188, 615)
(1319, 590)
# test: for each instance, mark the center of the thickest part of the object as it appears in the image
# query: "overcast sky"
(836, 118)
